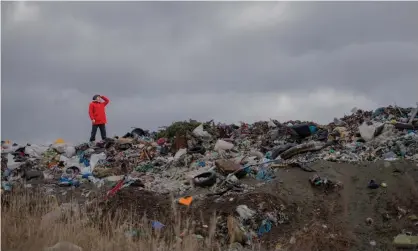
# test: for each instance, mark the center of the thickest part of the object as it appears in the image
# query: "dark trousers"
(102, 128)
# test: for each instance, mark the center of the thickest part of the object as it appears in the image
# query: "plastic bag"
(245, 212)
(199, 132)
(74, 161)
(35, 150)
(223, 145)
(9, 148)
(11, 164)
(368, 132)
(59, 147)
(180, 153)
(69, 151)
(95, 158)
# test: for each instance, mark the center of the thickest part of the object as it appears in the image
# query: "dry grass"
(23, 228)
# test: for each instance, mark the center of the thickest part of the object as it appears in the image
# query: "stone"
(405, 241)
(227, 166)
(413, 217)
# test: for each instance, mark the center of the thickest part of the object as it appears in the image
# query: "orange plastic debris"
(59, 141)
(186, 200)
(51, 165)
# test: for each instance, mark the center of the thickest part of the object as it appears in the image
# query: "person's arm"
(91, 111)
(106, 100)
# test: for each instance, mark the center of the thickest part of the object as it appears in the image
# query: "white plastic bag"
(223, 145)
(367, 132)
(180, 153)
(59, 147)
(11, 164)
(74, 161)
(9, 148)
(95, 158)
(199, 132)
(69, 151)
(35, 150)
(65, 159)
(245, 212)
(271, 124)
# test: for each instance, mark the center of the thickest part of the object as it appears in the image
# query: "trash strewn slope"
(282, 185)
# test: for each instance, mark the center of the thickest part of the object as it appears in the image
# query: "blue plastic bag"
(264, 228)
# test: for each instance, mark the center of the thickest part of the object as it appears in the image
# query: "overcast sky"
(160, 62)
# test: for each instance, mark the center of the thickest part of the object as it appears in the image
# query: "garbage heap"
(190, 154)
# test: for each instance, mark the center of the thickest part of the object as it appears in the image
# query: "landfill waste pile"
(257, 176)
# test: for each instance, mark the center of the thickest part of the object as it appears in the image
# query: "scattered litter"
(244, 212)
(372, 184)
(157, 225)
(220, 161)
(186, 200)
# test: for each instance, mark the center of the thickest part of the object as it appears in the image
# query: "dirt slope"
(318, 219)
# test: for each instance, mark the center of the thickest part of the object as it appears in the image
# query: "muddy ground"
(317, 219)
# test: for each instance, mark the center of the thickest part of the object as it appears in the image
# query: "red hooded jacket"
(97, 111)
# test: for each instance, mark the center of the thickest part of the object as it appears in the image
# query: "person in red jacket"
(98, 116)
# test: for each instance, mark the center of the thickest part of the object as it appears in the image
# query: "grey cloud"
(146, 52)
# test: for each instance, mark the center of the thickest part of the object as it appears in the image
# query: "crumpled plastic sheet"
(265, 174)
(265, 227)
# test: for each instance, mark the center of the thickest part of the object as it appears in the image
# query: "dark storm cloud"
(231, 61)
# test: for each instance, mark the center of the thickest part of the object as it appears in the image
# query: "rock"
(236, 234)
(64, 246)
(369, 221)
(413, 217)
(405, 241)
(227, 166)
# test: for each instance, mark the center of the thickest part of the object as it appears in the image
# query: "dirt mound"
(346, 219)
(139, 203)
